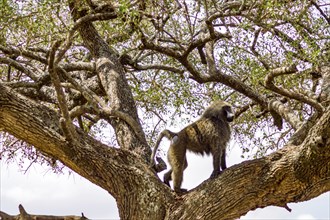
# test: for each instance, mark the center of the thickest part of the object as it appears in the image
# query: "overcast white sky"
(41, 192)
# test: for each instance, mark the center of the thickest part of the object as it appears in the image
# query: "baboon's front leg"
(216, 163)
(223, 160)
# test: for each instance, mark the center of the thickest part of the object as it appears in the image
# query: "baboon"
(209, 134)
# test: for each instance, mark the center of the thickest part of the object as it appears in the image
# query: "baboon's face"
(228, 113)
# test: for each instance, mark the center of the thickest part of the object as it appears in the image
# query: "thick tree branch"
(75, 66)
(325, 88)
(77, 25)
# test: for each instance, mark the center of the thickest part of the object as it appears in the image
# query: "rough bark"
(292, 174)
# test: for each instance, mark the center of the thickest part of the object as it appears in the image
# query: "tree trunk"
(114, 82)
(118, 171)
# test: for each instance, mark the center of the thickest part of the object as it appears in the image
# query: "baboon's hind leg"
(177, 176)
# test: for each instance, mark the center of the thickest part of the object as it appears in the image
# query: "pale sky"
(42, 192)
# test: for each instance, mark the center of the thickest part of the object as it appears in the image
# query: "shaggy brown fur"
(209, 134)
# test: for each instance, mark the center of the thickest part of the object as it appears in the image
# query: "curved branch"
(78, 23)
(127, 118)
(269, 84)
(66, 121)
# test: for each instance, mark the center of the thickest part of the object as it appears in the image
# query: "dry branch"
(269, 83)
(25, 216)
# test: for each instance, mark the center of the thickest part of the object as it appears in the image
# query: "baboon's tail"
(166, 133)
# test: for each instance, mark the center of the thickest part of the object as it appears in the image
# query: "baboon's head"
(220, 110)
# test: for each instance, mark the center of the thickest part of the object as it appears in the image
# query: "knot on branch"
(319, 141)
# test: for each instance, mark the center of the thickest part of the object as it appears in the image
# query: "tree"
(68, 68)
